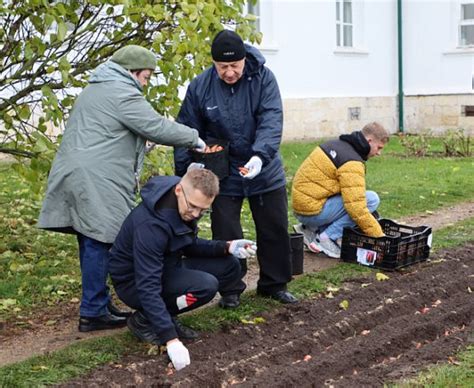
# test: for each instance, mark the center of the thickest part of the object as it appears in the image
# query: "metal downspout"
(400, 66)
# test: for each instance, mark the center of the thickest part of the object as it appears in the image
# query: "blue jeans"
(94, 260)
(333, 217)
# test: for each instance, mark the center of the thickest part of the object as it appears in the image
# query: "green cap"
(133, 57)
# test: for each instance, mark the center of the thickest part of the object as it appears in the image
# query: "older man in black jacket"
(237, 100)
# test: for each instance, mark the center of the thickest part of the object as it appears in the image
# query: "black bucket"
(296, 251)
(217, 162)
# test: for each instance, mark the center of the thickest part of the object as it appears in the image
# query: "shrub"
(416, 144)
(457, 143)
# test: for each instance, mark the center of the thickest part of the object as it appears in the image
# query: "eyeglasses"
(192, 208)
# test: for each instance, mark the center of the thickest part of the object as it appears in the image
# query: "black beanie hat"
(227, 46)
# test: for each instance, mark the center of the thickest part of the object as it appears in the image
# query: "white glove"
(195, 166)
(242, 249)
(178, 354)
(201, 145)
(254, 166)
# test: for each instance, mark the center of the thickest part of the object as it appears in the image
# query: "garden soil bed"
(390, 330)
(54, 327)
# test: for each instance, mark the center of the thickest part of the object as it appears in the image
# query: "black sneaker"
(118, 313)
(141, 328)
(104, 322)
(282, 296)
(184, 332)
(230, 301)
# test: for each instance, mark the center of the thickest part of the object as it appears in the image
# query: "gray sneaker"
(330, 248)
(308, 235)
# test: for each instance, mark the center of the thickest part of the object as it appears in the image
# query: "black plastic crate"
(402, 245)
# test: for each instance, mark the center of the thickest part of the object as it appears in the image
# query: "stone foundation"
(313, 118)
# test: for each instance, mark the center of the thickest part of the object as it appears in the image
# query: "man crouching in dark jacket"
(161, 268)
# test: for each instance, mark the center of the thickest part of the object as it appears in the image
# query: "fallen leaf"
(363, 285)
(365, 332)
(381, 277)
(418, 345)
(424, 310)
(344, 304)
(436, 303)
(329, 295)
(254, 321)
(40, 367)
(307, 358)
(332, 289)
(469, 290)
(453, 361)
(154, 350)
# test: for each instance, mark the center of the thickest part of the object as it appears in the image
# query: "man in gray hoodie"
(94, 177)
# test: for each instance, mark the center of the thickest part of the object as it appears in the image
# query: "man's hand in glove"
(201, 145)
(242, 249)
(195, 166)
(254, 165)
(178, 353)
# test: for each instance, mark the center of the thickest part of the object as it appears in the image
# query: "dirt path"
(41, 337)
(390, 330)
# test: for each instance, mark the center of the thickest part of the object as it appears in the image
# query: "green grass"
(211, 318)
(406, 185)
(69, 362)
(36, 268)
(39, 268)
(459, 375)
(454, 235)
(82, 357)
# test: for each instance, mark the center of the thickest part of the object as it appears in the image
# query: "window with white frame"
(254, 9)
(344, 26)
(466, 27)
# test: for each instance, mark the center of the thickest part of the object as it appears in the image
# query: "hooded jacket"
(336, 167)
(91, 183)
(247, 114)
(148, 241)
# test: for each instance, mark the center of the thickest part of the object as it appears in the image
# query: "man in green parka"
(94, 177)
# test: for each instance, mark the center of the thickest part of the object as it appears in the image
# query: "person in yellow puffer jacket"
(329, 194)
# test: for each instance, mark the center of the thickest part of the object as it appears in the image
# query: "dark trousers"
(270, 215)
(189, 283)
(94, 258)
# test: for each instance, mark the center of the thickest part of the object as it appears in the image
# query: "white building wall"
(320, 82)
(304, 56)
(433, 61)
